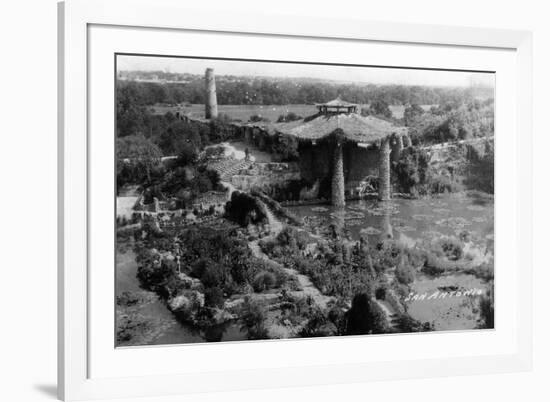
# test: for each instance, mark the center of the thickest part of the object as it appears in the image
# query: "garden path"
(308, 289)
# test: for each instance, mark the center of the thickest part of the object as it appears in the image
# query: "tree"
(139, 155)
(411, 113)
(364, 317)
(381, 108)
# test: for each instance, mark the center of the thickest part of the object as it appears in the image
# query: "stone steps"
(229, 168)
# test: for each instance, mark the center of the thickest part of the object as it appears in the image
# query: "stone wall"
(263, 176)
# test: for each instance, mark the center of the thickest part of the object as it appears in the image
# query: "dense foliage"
(233, 90)
(365, 317)
(244, 209)
(481, 168)
(352, 274)
(220, 260)
(450, 122)
(462, 166)
(136, 160)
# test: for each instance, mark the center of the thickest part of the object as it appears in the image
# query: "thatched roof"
(352, 126)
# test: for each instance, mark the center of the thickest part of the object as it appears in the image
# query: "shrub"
(213, 297)
(290, 116)
(381, 108)
(154, 277)
(390, 253)
(411, 113)
(127, 299)
(268, 245)
(318, 325)
(432, 265)
(253, 318)
(214, 152)
(264, 281)
(404, 274)
(438, 184)
(244, 209)
(405, 323)
(256, 118)
(451, 248)
(210, 273)
(380, 293)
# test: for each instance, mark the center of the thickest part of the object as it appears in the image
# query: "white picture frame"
(76, 378)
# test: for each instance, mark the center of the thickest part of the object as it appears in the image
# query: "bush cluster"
(244, 209)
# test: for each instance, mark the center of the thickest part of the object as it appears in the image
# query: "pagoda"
(339, 123)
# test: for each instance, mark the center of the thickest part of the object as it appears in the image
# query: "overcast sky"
(374, 75)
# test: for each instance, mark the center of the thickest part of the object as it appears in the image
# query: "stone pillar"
(211, 103)
(384, 171)
(338, 198)
(397, 147)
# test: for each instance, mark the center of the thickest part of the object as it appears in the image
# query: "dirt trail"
(275, 225)
(388, 312)
(308, 289)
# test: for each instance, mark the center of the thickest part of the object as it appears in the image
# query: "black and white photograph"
(261, 200)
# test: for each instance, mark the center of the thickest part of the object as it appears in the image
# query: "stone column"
(211, 103)
(338, 198)
(384, 171)
(397, 147)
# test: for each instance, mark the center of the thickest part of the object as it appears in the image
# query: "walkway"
(388, 312)
(308, 288)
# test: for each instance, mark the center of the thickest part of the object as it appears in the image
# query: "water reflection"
(405, 219)
(387, 230)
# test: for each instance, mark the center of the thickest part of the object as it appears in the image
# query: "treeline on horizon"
(283, 91)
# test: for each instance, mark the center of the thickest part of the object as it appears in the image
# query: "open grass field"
(271, 112)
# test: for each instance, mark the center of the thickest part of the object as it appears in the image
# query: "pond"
(407, 220)
(162, 326)
(416, 223)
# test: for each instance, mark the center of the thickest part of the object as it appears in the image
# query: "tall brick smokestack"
(384, 185)
(211, 104)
